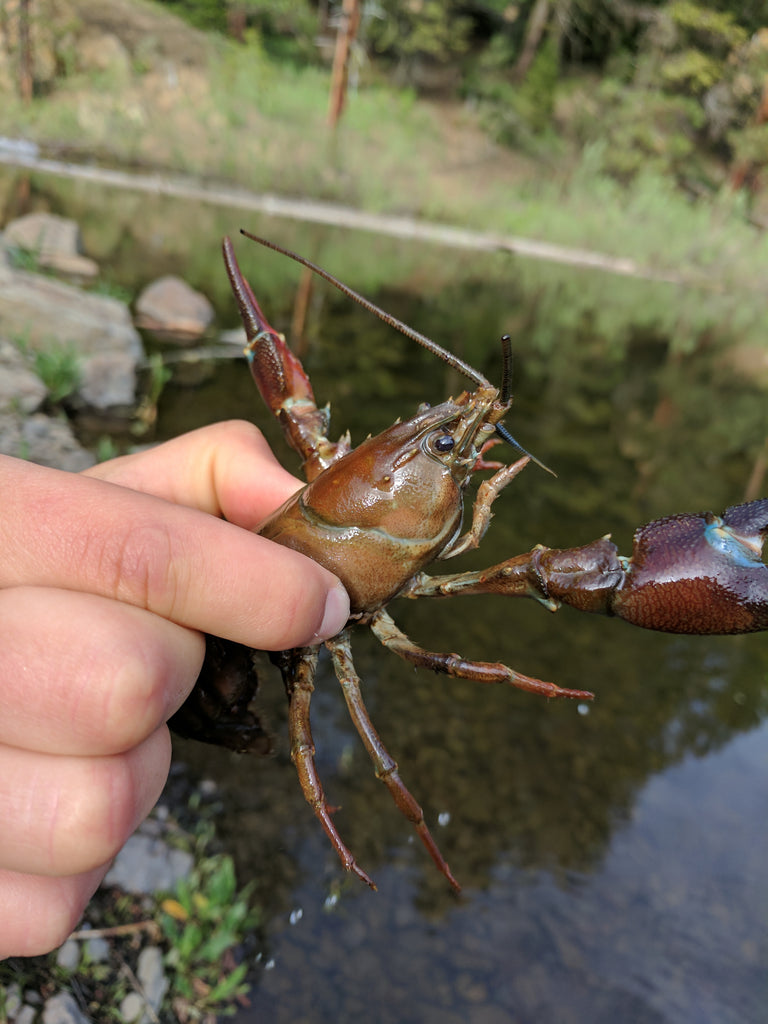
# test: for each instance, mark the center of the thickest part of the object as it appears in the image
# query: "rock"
(62, 1009)
(68, 955)
(46, 313)
(49, 441)
(170, 306)
(20, 387)
(132, 1007)
(145, 1007)
(149, 971)
(55, 241)
(12, 999)
(98, 949)
(146, 864)
(24, 431)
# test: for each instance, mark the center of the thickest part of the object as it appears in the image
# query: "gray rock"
(25, 432)
(146, 864)
(26, 1015)
(149, 971)
(21, 390)
(68, 955)
(98, 949)
(12, 999)
(170, 305)
(46, 313)
(44, 440)
(62, 1009)
(55, 240)
(132, 1007)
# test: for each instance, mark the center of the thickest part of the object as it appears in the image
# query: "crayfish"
(377, 515)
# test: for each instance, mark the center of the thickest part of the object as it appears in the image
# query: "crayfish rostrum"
(379, 514)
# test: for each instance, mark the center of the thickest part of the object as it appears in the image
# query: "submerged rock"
(43, 314)
(169, 305)
(55, 242)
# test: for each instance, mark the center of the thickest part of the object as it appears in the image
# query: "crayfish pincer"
(377, 515)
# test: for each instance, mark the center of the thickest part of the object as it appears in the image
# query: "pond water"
(612, 855)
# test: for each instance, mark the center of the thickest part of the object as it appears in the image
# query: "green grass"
(57, 366)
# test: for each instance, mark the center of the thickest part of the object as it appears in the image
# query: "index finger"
(78, 533)
(227, 469)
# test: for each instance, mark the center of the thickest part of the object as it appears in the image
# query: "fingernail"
(336, 614)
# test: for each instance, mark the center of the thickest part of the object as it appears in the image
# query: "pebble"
(132, 1007)
(68, 956)
(149, 971)
(62, 1009)
(147, 864)
(98, 950)
(12, 999)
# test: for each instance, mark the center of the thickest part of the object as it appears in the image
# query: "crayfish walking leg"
(393, 638)
(384, 763)
(298, 668)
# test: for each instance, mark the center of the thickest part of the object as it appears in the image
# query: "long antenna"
(437, 350)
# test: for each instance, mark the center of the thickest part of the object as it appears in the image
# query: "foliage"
(713, 31)
(204, 925)
(682, 102)
(205, 14)
(420, 28)
(203, 922)
(642, 131)
(516, 113)
(57, 366)
(288, 28)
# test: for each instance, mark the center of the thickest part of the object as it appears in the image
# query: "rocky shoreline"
(97, 343)
(49, 318)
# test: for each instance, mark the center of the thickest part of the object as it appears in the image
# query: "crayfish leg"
(299, 674)
(384, 764)
(393, 638)
(487, 493)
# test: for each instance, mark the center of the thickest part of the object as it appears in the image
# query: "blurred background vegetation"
(677, 88)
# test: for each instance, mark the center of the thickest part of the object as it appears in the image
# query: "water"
(611, 855)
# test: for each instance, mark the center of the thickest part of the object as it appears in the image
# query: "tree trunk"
(25, 52)
(534, 32)
(350, 22)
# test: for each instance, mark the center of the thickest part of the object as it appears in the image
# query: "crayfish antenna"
(505, 435)
(505, 396)
(432, 346)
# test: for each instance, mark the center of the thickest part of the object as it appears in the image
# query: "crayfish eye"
(442, 444)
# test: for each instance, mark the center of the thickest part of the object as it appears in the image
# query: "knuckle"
(102, 809)
(146, 566)
(134, 704)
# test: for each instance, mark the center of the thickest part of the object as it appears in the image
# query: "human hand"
(107, 581)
